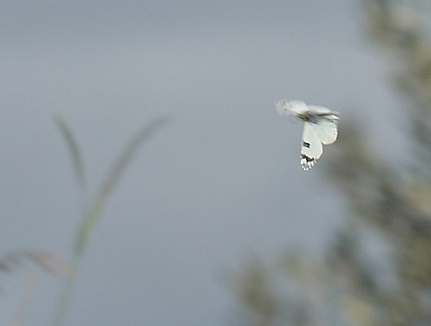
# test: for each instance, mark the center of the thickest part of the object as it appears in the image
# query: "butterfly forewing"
(311, 149)
(285, 107)
(318, 110)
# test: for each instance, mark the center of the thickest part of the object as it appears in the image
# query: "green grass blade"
(74, 150)
(112, 179)
(96, 206)
(126, 155)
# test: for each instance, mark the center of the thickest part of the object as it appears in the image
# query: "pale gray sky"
(220, 182)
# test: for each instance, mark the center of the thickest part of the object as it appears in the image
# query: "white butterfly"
(320, 127)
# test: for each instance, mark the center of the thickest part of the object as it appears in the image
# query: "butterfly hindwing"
(326, 128)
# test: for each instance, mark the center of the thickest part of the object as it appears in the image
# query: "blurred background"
(213, 221)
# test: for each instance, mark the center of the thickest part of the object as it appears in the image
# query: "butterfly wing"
(285, 107)
(320, 127)
(326, 128)
(312, 148)
(317, 109)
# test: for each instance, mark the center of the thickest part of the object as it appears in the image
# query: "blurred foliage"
(349, 285)
(94, 206)
(93, 209)
(45, 260)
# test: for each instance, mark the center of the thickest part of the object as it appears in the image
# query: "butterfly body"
(320, 127)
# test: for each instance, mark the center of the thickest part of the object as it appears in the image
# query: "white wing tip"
(282, 107)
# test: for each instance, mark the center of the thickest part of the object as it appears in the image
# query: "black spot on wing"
(305, 144)
(307, 158)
